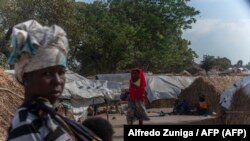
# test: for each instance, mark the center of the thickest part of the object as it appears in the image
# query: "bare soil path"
(118, 120)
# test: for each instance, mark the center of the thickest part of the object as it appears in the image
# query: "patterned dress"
(136, 108)
(33, 122)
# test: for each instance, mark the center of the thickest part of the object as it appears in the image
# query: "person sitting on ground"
(202, 108)
(101, 127)
(181, 107)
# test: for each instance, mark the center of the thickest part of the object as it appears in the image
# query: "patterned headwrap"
(36, 47)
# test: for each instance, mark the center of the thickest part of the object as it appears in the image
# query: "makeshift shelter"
(80, 92)
(83, 92)
(122, 78)
(209, 86)
(11, 97)
(227, 95)
(236, 102)
(163, 90)
(238, 112)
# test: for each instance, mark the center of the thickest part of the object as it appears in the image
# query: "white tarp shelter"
(227, 95)
(158, 86)
(122, 78)
(83, 92)
(167, 87)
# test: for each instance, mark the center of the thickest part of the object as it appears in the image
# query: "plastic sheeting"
(122, 78)
(80, 107)
(227, 95)
(83, 92)
(78, 87)
(166, 87)
(111, 90)
(158, 86)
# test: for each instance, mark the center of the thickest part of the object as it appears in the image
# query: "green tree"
(157, 40)
(3, 61)
(109, 36)
(247, 65)
(222, 63)
(210, 62)
(12, 12)
(207, 62)
(239, 64)
(121, 34)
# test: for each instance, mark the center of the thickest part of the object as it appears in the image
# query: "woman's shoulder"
(23, 116)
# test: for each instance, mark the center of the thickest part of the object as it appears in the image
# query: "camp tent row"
(82, 92)
(158, 86)
(218, 89)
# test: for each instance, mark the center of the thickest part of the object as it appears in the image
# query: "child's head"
(101, 127)
(201, 98)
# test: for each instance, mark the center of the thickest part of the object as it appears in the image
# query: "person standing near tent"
(137, 88)
(39, 55)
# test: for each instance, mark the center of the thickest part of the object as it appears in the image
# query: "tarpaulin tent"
(82, 92)
(122, 78)
(227, 95)
(166, 87)
(158, 86)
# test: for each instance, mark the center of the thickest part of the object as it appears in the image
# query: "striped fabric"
(36, 126)
(36, 120)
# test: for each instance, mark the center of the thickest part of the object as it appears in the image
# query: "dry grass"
(160, 103)
(239, 112)
(11, 97)
(211, 88)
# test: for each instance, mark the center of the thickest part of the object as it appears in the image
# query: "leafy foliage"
(239, 64)
(121, 34)
(210, 62)
(114, 35)
(3, 61)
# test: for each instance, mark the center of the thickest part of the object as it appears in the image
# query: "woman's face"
(135, 74)
(47, 82)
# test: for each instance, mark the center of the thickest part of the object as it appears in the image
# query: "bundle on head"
(11, 97)
(210, 87)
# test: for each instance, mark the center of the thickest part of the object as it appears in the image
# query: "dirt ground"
(118, 120)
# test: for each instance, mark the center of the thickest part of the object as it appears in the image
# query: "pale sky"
(222, 29)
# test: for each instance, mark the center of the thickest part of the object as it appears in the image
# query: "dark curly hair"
(101, 127)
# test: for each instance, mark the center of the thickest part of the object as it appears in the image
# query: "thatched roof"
(11, 97)
(239, 112)
(209, 86)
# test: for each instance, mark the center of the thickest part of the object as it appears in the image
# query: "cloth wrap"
(36, 47)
